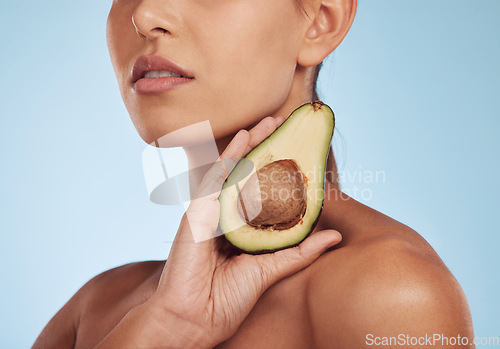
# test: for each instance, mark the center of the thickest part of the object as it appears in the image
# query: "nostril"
(159, 30)
(155, 31)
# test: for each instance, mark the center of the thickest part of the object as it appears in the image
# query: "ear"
(329, 21)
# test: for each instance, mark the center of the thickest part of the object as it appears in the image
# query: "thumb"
(286, 262)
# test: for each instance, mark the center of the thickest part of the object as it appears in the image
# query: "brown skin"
(383, 278)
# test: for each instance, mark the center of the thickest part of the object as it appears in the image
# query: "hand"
(206, 290)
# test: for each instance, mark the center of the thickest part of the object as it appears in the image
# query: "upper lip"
(145, 64)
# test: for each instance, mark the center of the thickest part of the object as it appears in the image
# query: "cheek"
(249, 58)
(122, 41)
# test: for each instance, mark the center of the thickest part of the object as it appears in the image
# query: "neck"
(201, 155)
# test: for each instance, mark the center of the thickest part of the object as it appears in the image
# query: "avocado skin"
(316, 105)
(282, 248)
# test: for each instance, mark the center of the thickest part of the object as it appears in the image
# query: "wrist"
(150, 326)
(180, 332)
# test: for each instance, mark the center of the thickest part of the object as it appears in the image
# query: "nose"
(152, 19)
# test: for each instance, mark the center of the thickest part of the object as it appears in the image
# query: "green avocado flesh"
(275, 202)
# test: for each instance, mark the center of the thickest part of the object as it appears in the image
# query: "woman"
(234, 62)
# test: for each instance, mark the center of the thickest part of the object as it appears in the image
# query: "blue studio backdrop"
(415, 88)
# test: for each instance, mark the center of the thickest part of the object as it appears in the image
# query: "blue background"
(415, 88)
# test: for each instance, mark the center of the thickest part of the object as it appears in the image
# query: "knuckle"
(300, 256)
(268, 273)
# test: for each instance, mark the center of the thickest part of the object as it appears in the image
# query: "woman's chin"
(194, 134)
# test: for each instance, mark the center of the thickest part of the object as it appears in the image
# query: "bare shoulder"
(100, 293)
(391, 284)
(112, 286)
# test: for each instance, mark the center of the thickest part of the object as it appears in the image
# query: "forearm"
(146, 327)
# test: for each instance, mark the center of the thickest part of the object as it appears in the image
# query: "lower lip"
(158, 85)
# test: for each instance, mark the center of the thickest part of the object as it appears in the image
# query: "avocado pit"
(274, 197)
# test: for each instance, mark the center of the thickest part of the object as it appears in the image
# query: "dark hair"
(315, 82)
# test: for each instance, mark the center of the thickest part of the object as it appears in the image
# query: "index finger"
(242, 143)
(262, 130)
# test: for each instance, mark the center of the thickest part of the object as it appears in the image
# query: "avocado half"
(273, 197)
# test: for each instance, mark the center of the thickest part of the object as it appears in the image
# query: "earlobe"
(331, 20)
